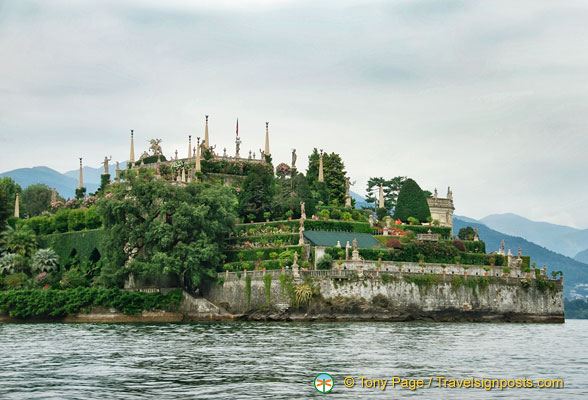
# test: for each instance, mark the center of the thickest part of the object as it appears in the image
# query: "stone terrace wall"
(504, 298)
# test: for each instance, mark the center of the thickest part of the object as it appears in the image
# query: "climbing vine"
(248, 289)
(267, 280)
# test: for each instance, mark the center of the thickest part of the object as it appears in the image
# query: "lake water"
(281, 360)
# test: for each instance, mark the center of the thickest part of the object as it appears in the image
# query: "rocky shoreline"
(274, 315)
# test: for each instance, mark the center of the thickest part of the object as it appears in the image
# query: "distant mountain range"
(65, 184)
(575, 272)
(561, 239)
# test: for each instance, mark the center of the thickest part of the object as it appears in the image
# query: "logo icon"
(324, 383)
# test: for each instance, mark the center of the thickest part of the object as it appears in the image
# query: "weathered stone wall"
(501, 299)
(232, 294)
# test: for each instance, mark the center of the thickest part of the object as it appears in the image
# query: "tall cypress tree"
(412, 202)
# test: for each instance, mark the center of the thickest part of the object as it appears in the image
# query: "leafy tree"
(257, 192)
(8, 191)
(5, 208)
(289, 194)
(161, 229)
(10, 188)
(22, 241)
(466, 233)
(411, 202)
(36, 199)
(333, 188)
(391, 188)
(45, 260)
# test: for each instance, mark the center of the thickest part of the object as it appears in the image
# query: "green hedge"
(475, 247)
(64, 220)
(60, 303)
(83, 242)
(434, 252)
(251, 255)
(229, 167)
(286, 239)
(338, 226)
(151, 160)
(444, 231)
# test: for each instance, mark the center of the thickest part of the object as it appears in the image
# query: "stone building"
(442, 209)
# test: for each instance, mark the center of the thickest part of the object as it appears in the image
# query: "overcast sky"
(488, 97)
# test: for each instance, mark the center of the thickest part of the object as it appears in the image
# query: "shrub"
(73, 279)
(92, 219)
(335, 214)
(458, 244)
(45, 260)
(394, 243)
(58, 303)
(466, 233)
(61, 220)
(326, 262)
(76, 221)
(15, 281)
(382, 213)
(413, 220)
(324, 214)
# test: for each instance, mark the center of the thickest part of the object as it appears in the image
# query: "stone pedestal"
(355, 255)
(296, 272)
(348, 201)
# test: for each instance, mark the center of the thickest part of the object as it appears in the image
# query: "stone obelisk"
(206, 142)
(16, 207)
(321, 176)
(132, 156)
(81, 178)
(267, 149)
(381, 202)
(197, 167)
(189, 147)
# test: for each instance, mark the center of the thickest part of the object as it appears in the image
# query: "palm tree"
(45, 260)
(21, 241)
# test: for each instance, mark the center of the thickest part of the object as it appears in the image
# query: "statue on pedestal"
(294, 158)
(155, 147)
(105, 162)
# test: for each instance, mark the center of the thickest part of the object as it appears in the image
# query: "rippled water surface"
(280, 360)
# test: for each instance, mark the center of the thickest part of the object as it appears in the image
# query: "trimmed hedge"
(339, 226)
(83, 242)
(286, 238)
(251, 255)
(230, 167)
(434, 252)
(444, 231)
(60, 303)
(150, 160)
(64, 220)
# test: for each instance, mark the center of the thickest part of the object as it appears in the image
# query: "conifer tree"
(412, 202)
